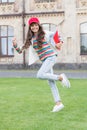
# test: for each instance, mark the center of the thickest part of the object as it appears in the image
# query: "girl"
(47, 55)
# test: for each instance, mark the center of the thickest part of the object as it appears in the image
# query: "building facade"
(69, 16)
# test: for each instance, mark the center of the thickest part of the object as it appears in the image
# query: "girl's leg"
(54, 89)
(47, 65)
(56, 96)
(45, 73)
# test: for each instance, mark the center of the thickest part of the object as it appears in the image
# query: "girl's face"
(34, 28)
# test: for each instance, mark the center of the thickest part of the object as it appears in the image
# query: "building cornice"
(33, 13)
(81, 11)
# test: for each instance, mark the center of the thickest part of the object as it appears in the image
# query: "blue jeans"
(46, 72)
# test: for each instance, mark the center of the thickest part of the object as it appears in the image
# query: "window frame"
(1, 2)
(82, 34)
(50, 24)
(7, 42)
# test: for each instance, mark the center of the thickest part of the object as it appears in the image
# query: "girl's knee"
(40, 75)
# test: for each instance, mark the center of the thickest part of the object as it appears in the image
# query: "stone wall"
(66, 14)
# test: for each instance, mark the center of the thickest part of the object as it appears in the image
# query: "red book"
(56, 37)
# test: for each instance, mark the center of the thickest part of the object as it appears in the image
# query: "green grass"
(26, 104)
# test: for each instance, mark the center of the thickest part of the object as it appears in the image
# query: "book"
(56, 38)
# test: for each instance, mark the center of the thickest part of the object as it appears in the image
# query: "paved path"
(32, 74)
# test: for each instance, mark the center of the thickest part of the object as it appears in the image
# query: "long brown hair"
(30, 34)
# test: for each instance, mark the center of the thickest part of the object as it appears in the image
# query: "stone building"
(69, 16)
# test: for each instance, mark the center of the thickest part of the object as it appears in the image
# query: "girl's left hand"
(59, 45)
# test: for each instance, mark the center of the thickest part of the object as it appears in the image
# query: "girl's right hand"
(18, 49)
(14, 41)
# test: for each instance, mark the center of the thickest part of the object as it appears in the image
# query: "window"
(83, 38)
(49, 26)
(5, 1)
(42, 1)
(6, 35)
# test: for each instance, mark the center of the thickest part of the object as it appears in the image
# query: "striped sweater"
(45, 51)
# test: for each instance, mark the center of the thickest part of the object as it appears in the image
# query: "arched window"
(49, 26)
(83, 38)
(6, 36)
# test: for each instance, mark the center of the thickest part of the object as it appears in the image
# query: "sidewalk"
(74, 74)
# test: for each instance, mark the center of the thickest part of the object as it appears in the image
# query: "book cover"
(56, 37)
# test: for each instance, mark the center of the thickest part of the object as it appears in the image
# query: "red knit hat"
(33, 20)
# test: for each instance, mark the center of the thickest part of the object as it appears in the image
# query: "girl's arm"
(18, 49)
(57, 41)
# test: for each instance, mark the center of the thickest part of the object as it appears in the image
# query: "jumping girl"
(47, 55)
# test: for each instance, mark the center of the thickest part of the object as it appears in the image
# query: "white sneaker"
(58, 108)
(65, 82)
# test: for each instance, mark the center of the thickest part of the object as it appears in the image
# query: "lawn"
(26, 104)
